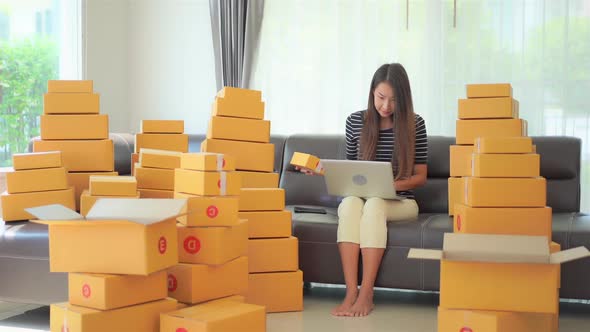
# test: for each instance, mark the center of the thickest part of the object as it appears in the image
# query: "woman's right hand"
(305, 171)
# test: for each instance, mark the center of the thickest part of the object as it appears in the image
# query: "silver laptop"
(359, 178)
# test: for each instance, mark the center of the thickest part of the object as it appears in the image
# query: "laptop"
(359, 178)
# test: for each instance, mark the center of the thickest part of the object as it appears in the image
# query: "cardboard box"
(159, 158)
(216, 316)
(488, 108)
(162, 126)
(239, 129)
(142, 239)
(75, 126)
(267, 224)
(82, 156)
(14, 205)
(170, 142)
(87, 201)
(195, 283)
(489, 90)
(134, 160)
(69, 86)
(71, 103)
(109, 291)
(516, 221)
(460, 160)
(36, 160)
(236, 108)
(277, 291)
(456, 194)
(499, 272)
(204, 161)
(144, 317)
(229, 92)
(498, 165)
(209, 210)
(554, 247)
(249, 156)
(81, 181)
(262, 199)
(207, 183)
(113, 185)
(469, 130)
(308, 161)
(504, 145)
(259, 179)
(505, 192)
(212, 245)
(155, 193)
(262, 255)
(36, 180)
(154, 178)
(493, 321)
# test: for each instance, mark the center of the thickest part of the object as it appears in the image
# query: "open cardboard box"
(499, 272)
(118, 236)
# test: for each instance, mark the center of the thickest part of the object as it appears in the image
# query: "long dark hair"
(404, 126)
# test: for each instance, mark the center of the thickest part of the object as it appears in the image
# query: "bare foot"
(363, 305)
(347, 303)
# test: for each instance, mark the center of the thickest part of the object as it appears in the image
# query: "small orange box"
(154, 178)
(36, 180)
(460, 160)
(209, 210)
(516, 221)
(505, 192)
(262, 199)
(109, 291)
(82, 156)
(212, 245)
(493, 321)
(204, 161)
(155, 193)
(162, 126)
(69, 86)
(87, 201)
(489, 90)
(469, 130)
(134, 160)
(554, 247)
(239, 129)
(456, 195)
(308, 161)
(216, 316)
(81, 181)
(24, 161)
(259, 179)
(14, 205)
(488, 108)
(267, 224)
(499, 165)
(239, 109)
(229, 92)
(207, 183)
(504, 145)
(170, 142)
(101, 185)
(71, 103)
(249, 156)
(277, 291)
(159, 158)
(144, 317)
(262, 255)
(195, 283)
(74, 126)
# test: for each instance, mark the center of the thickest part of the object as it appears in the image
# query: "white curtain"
(317, 58)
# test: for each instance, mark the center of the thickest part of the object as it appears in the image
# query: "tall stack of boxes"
(71, 123)
(36, 179)
(165, 135)
(212, 240)
(155, 172)
(107, 187)
(237, 128)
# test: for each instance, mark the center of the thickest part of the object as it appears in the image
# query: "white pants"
(365, 222)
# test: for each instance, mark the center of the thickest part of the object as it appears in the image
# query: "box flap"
(55, 212)
(425, 254)
(569, 255)
(495, 248)
(144, 211)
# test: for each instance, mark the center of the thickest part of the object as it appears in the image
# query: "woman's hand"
(304, 170)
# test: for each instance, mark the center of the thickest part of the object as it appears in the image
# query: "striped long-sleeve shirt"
(386, 143)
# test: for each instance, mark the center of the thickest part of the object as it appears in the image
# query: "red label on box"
(162, 245)
(65, 329)
(172, 283)
(218, 183)
(223, 163)
(86, 292)
(465, 329)
(181, 329)
(192, 245)
(459, 222)
(212, 211)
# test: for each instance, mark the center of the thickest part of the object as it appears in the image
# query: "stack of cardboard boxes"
(116, 265)
(36, 179)
(165, 135)
(71, 123)
(155, 172)
(238, 128)
(107, 187)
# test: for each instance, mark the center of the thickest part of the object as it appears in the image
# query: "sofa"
(24, 267)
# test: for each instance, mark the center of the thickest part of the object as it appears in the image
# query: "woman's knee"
(350, 205)
(374, 206)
